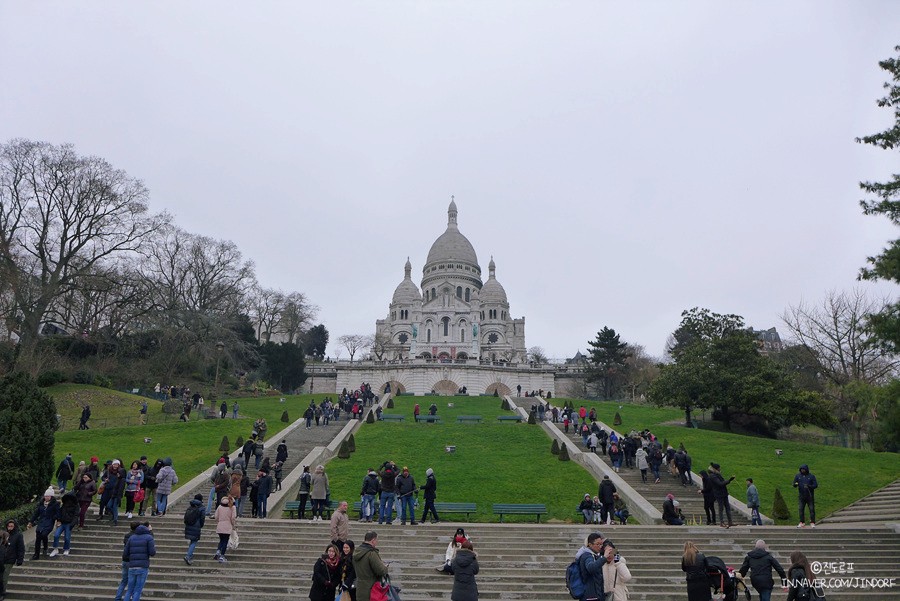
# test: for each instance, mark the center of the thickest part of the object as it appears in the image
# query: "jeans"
(113, 506)
(191, 547)
(386, 512)
(405, 502)
(368, 506)
(223, 544)
(124, 582)
(240, 506)
(318, 507)
(136, 579)
(258, 460)
(234, 413)
(63, 528)
(811, 503)
(655, 469)
(212, 499)
(724, 511)
(62, 486)
(262, 500)
(161, 502)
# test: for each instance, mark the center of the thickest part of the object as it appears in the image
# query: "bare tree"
(62, 217)
(354, 342)
(380, 341)
(537, 355)
(843, 351)
(296, 316)
(266, 311)
(835, 332)
(640, 370)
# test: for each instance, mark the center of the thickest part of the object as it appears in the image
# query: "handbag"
(234, 540)
(139, 495)
(385, 591)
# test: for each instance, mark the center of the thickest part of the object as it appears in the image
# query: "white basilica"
(455, 316)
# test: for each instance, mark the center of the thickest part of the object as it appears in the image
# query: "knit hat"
(670, 496)
(587, 495)
(49, 492)
(429, 472)
(715, 466)
(143, 457)
(94, 460)
(198, 497)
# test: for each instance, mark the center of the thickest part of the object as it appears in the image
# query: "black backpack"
(192, 515)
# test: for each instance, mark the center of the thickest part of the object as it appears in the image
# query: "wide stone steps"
(690, 502)
(880, 506)
(518, 561)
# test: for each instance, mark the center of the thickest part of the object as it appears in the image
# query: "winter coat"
(281, 453)
(324, 580)
(319, 489)
(305, 481)
(235, 490)
(430, 488)
(66, 469)
(796, 574)
(116, 483)
(192, 530)
(761, 563)
(69, 510)
(44, 517)
(139, 548)
(607, 489)
(405, 485)
(223, 480)
(369, 569)
(719, 484)
(464, 566)
(165, 480)
(226, 516)
(370, 486)
(668, 512)
(591, 566)
(15, 552)
(264, 485)
(641, 456)
(133, 480)
(805, 483)
(615, 578)
(340, 525)
(388, 480)
(85, 491)
(752, 497)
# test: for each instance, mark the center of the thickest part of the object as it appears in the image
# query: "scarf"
(331, 562)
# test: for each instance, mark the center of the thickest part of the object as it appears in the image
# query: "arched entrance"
(396, 387)
(501, 388)
(445, 387)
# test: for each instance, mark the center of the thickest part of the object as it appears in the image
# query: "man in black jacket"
(370, 489)
(720, 491)
(406, 486)
(15, 553)
(760, 563)
(64, 473)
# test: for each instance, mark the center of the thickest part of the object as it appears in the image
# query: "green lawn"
(109, 408)
(493, 463)
(193, 446)
(633, 416)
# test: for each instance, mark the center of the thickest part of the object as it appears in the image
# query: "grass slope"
(493, 463)
(193, 446)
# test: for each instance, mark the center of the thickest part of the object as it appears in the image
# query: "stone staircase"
(690, 502)
(880, 506)
(518, 561)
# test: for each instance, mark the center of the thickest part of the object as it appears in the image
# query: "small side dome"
(407, 292)
(492, 292)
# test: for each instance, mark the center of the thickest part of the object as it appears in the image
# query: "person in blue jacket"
(138, 551)
(806, 486)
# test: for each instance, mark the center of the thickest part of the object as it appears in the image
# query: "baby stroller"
(725, 582)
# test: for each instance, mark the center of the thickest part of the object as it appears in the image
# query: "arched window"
(429, 335)
(467, 294)
(432, 293)
(462, 334)
(459, 292)
(446, 321)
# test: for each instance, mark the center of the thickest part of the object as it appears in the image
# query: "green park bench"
(431, 419)
(520, 509)
(468, 418)
(392, 417)
(509, 418)
(292, 507)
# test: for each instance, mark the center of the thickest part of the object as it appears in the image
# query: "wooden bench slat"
(468, 418)
(520, 509)
(507, 418)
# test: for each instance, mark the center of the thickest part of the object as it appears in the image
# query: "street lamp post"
(220, 346)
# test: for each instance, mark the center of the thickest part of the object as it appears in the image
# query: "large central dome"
(452, 245)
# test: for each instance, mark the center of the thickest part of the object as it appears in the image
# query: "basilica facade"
(452, 315)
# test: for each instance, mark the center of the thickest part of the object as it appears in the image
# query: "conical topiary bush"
(564, 452)
(370, 418)
(352, 440)
(617, 420)
(390, 403)
(344, 451)
(505, 405)
(225, 447)
(554, 448)
(239, 442)
(780, 509)
(285, 418)
(531, 418)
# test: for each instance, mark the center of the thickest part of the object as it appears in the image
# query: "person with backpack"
(281, 453)
(258, 449)
(194, 519)
(800, 579)
(64, 473)
(656, 459)
(589, 565)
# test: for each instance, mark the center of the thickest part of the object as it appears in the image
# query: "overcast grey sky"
(621, 161)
